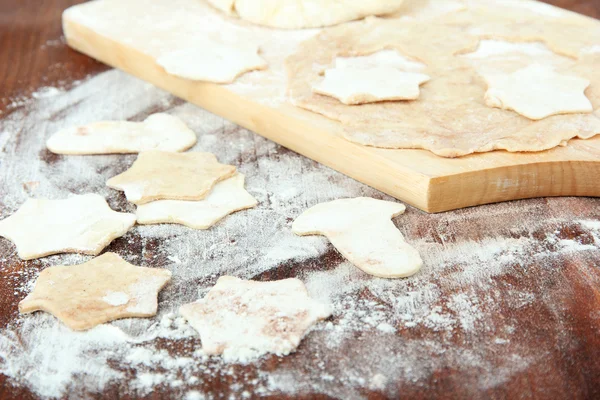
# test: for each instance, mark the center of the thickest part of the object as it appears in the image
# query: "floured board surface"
(130, 34)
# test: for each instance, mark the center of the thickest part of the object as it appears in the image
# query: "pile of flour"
(384, 334)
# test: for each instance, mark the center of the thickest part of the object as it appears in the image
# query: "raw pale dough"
(537, 92)
(450, 118)
(212, 62)
(370, 85)
(160, 175)
(361, 229)
(158, 132)
(80, 224)
(294, 14)
(226, 197)
(101, 290)
(245, 319)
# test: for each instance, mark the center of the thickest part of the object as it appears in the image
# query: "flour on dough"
(294, 14)
(360, 86)
(160, 175)
(243, 320)
(361, 229)
(157, 132)
(383, 58)
(79, 224)
(537, 92)
(212, 61)
(101, 290)
(225, 198)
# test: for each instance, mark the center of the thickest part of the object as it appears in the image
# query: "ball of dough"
(294, 14)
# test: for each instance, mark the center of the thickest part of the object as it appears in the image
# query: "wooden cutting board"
(128, 34)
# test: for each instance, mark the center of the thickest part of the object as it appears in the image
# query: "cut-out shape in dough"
(360, 86)
(537, 92)
(244, 319)
(101, 290)
(157, 132)
(361, 229)
(212, 62)
(79, 224)
(161, 175)
(226, 197)
(295, 14)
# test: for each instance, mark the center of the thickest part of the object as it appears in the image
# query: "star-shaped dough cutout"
(79, 224)
(101, 290)
(244, 319)
(157, 132)
(369, 85)
(537, 92)
(226, 197)
(161, 175)
(212, 62)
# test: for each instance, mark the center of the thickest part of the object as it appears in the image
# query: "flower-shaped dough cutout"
(361, 229)
(370, 85)
(246, 319)
(537, 92)
(227, 196)
(79, 224)
(157, 132)
(101, 290)
(161, 175)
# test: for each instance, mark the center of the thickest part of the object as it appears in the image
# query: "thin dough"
(245, 319)
(157, 132)
(79, 224)
(160, 175)
(227, 196)
(361, 229)
(101, 290)
(294, 14)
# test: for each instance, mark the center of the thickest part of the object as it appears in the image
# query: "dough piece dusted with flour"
(370, 85)
(295, 14)
(361, 229)
(243, 320)
(212, 62)
(227, 196)
(101, 290)
(158, 132)
(160, 175)
(537, 92)
(80, 224)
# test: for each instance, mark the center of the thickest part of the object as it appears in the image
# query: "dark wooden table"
(33, 54)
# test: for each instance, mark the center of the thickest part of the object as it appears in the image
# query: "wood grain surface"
(562, 326)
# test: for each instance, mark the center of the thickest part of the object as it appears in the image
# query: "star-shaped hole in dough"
(158, 132)
(79, 224)
(369, 85)
(212, 62)
(101, 290)
(361, 229)
(537, 92)
(226, 197)
(160, 175)
(244, 319)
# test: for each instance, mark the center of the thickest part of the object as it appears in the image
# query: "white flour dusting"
(383, 333)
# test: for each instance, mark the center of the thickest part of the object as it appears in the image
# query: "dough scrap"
(361, 229)
(360, 86)
(537, 92)
(161, 175)
(101, 290)
(157, 132)
(212, 61)
(79, 224)
(226, 197)
(244, 319)
(295, 14)
(450, 117)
